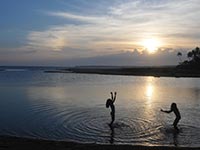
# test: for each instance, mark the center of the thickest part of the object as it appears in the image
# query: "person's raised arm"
(166, 111)
(115, 97)
(111, 95)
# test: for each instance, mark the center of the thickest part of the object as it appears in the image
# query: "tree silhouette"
(179, 54)
(196, 54)
(189, 55)
(193, 59)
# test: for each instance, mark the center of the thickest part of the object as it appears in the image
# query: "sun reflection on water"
(149, 93)
(150, 89)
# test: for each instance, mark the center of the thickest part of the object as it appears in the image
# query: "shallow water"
(72, 107)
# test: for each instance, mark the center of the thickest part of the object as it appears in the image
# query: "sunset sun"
(151, 45)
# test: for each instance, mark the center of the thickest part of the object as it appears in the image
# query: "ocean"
(71, 107)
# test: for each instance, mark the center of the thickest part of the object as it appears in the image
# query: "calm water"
(72, 107)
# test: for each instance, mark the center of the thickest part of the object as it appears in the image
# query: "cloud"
(127, 58)
(164, 17)
(5, 51)
(98, 38)
(122, 58)
(124, 25)
(121, 26)
(47, 40)
(67, 15)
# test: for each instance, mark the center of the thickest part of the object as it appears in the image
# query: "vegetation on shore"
(193, 61)
(187, 68)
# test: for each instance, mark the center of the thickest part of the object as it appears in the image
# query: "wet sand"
(14, 143)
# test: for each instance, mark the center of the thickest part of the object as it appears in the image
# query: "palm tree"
(190, 55)
(179, 54)
(196, 54)
(193, 58)
(197, 50)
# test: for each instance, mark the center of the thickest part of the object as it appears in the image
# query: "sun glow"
(151, 45)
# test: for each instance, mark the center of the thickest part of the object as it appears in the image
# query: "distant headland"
(186, 68)
(163, 71)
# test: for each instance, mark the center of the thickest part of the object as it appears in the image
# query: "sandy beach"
(15, 143)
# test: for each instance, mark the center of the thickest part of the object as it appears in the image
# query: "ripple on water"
(84, 124)
(91, 125)
(187, 135)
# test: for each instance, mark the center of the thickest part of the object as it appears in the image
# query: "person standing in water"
(176, 112)
(110, 103)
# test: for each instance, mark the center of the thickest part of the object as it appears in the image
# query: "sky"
(97, 32)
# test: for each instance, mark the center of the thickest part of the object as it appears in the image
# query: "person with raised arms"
(110, 103)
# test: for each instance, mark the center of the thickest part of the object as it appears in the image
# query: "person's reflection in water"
(112, 134)
(175, 134)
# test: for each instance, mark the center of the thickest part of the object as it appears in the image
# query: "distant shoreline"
(16, 143)
(169, 71)
(155, 71)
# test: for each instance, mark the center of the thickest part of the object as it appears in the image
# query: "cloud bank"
(121, 26)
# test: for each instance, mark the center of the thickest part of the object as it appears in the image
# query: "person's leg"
(176, 122)
(112, 117)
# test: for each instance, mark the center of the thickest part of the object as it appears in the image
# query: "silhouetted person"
(176, 112)
(110, 103)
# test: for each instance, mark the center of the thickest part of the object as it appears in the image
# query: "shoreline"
(171, 71)
(155, 71)
(15, 143)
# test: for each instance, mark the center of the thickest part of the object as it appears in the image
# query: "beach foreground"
(15, 143)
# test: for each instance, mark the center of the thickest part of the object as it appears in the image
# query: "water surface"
(72, 107)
